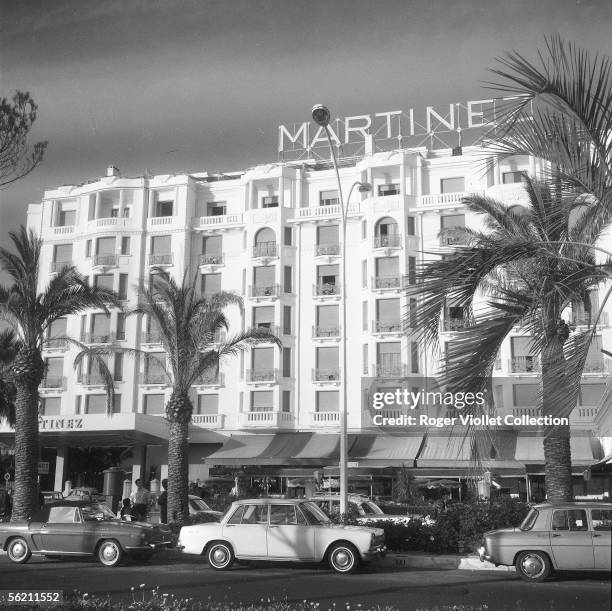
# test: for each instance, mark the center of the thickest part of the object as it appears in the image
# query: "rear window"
(602, 519)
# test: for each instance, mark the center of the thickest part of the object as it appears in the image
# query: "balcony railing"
(580, 319)
(326, 288)
(107, 260)
(455, 324)
(326, 375)
(56, 266)
(154, 377)
(98, 338)
(110, 221)
(388, 282)
(265, 249)
(526, 411)
(274, 329)
(91, 379)
(53, 383)
(456, 239)
(319, 331)
(269, 290)
(525, 364)
(385, 326)
(267, 418)
(325, 418)
(261, 375)
(151, 337)
(208, 421)
(162, 258)
(329, 250)
(388, 241)
(211, 379)
(210, 259)
(390, 371)
(55, 344)
(203, 222)
(584, 414)
(157, 221)
(62, 229)
(443, 198)
(329, 211)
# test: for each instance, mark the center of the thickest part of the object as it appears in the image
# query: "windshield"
(199, 505)
(313, 514)
(97, 512)
(371, 509)
(530, 519)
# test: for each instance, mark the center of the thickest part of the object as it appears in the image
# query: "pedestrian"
(125, 513)
(162, 501)
(140, 501)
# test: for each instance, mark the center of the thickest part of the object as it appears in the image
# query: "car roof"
(574, 505)
(69, 503)
(268, 500)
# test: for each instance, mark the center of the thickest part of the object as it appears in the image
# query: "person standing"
(140, 501)
(162, 501)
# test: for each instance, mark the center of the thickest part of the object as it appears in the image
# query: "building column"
(281, 191)
(60, 467)
(139, 466)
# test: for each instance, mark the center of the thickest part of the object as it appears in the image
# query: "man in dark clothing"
(162, 501)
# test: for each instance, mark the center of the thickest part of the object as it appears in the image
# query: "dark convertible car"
(81, 528)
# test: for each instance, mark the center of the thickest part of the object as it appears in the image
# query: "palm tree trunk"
(557, 452)
(25, 496)
(178, 470)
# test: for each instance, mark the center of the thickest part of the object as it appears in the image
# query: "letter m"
(283, 133)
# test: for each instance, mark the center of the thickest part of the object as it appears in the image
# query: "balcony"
(271, 327)
(222, 220)
(326, 375)
(580, 319)
(442, 199)
(107, 260)
(160, 222)
(385, 326)
(266, 419)
(161, 259)
(325, 289)
(525, 364)
(584, 415)
(53, 383)
(265, 249)
(455, 324)
(389, 371)
(62, 230)
(598, 367)
(318, 419)
(98, 338)
(270, 291)
(56, 266)
(386, 283)
(456, 239)
(319, 332)
(208, 421)
(262, 376)
(151, 338)
(388, 241)
(56, 344)
(153, 378)
(334, 211)
(531, 411)
(211, 380)
(327, 250)
(91, 379)
(104, 223)
(206, 259)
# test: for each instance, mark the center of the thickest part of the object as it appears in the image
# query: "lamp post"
(321, 116)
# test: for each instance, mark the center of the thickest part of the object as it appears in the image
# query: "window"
(236, 517)
(255, 514)
(389, 358)
(263, 317)
(106, 246)
(287, 279)
(66, 217)
(286, 404)
(410, 225)
(327, 321)
(365, 359)
(62, 253)
(288, 236)
(264, 279)
(328, 278)
(570, 519)
(525, 395)
(123, 282)
(328, 241)
(452, 185)
(269, 201)
(164, 208)
(120, 326)
(118, 367)
(414, 357)
(208, 404)
(125, 245)
(388, 189)
(77, 404)
(287, 320)
(88, 248)
(57, 328)
(411, 270)
(63, 515)
(263, 359)
(211, 284)
(364, 229)
(364, 274)
(512, 177)
(387, 272)
(51, 406)
(216, 208)
(327, 363)
(96, 404)
(286, 362)
(104, 281)
(212, 245)
(591, 394)
(364, 315)
(283, 515)
(262, 401)
(386, 233)
(329, 198)
(388, 315)
(154, 404)
(327, 400)
(601, 519)
(161, 244)
(412, 313)
(100, 328)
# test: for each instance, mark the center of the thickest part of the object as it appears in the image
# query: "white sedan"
(281, 529)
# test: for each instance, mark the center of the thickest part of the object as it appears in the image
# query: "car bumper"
(149, 547)
(380, 551)
(482, 554)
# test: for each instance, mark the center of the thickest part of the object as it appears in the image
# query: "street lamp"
(321, 116)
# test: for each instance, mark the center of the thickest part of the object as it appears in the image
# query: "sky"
(164, 86)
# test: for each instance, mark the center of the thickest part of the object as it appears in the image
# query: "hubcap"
(342, 558)
(18, 550)
(532, 566)
(219, 555)
(109, 553)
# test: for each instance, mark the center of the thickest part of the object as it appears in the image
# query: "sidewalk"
(423, 560)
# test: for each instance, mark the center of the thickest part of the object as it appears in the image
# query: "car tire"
(110, 553)
(533, 566)
(220, 555)
(343, 558)
(18, 551)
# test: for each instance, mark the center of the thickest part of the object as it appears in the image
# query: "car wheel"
(343, 558)
(110, 553)
(220, 556)
(18, 551)
(533, 566)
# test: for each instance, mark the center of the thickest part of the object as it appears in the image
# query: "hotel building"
(271, 234)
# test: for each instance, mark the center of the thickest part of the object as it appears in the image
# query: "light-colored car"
(84, 493)
(563, 536)
(363, 509)
(198, 506)
(281, 530)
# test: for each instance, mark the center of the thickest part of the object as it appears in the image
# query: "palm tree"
(30, 313)
(189, 327)
(525, 268)
(9, 347)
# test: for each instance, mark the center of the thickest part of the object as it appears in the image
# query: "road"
(405, 589)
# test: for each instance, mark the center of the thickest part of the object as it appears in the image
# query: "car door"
(601, 523)
(247, 531)
(571, 540)
(63, 531)
(289, 535)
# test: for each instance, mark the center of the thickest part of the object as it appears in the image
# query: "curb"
(439, 562)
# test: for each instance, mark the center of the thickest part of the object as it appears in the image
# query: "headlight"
(143, 538)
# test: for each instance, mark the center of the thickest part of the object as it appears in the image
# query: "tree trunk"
(557, 452)
(25, 496)
(178, 411)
